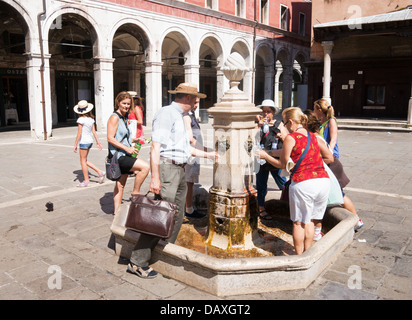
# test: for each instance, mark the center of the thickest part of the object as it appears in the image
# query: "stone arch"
(16, 30)
(176, 51)
(72, 45)
(211, 59)
(264, 72)
(130, 46)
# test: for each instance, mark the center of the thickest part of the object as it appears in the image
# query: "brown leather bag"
(155, 217)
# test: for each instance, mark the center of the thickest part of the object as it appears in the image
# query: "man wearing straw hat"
(169, 153)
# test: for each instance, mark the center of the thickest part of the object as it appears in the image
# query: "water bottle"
(274, 145)
(265, 128)
(138, 146)
(261, 161)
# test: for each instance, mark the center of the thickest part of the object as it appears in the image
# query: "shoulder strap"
(121, 118)
(301, 156)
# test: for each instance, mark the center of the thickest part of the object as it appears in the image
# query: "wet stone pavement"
(74, 240)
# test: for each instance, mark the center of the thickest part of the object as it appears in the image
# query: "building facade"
(361, 57)
(57, 52)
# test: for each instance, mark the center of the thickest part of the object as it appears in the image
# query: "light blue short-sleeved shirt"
(169, 130)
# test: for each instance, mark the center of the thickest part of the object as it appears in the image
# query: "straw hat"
(188, 88)
(82, 107)
(269, 103)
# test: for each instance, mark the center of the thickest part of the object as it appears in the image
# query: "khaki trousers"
(173, 188)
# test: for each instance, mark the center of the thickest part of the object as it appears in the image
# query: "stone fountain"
(233, 227)
(232, 198)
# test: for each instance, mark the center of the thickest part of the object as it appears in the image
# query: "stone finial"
(235, 69)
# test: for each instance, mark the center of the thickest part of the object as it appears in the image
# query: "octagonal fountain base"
(243, 275)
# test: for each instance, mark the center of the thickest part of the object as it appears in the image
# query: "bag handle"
(301, 156)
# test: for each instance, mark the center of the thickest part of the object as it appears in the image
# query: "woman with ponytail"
(329, 130)
(329, 127)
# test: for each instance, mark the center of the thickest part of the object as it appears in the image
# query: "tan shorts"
(192, 172)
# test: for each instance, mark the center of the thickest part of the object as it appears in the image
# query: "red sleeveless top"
(311, 166)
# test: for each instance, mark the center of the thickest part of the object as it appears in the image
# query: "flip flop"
(265, 216)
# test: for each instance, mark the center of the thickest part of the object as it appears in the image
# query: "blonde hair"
(325, 107)
(295, 114)
(120, 97)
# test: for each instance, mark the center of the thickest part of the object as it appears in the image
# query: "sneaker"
(317, 236)
(195, 214)
(83, 184)
(358, 225)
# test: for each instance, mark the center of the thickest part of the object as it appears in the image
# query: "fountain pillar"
(232, 200)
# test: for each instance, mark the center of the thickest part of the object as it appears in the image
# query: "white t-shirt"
(87, 136)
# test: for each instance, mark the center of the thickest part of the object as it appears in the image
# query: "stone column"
(279, 71)
(269, 73)
(153, 89)
(232, 201)
(327, 47)
(34, 87)
(192, 76)
(103, 90)
(287, 86)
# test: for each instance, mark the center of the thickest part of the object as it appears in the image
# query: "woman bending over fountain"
(309, 188)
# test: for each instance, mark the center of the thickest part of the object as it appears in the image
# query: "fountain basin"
(236, 276)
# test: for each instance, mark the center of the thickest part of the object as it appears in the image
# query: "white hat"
(82, 107)
(133, 94)
(269, 103)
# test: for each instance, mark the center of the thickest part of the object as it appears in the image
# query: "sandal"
(142, 272)
(83, 184)
(101, 177)
(266, 216)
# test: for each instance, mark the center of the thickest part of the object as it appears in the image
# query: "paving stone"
(337, 291)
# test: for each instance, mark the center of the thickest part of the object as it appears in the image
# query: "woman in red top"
(136, 115)
(309, 189)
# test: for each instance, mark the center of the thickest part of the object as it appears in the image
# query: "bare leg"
(92, 166)
(141, 168)
(118, 191)
(83, 162)
(298, 237)
(309, 233)
(189, 194)
(348, 205)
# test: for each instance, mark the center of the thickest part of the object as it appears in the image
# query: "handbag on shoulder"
(155, 217)
(113, 171)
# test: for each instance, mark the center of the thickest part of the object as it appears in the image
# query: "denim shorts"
(85, 145)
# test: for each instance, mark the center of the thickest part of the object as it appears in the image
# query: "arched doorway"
(175, 50)
(129, 51)
(210, 58)
(14, 105)
(71, 47)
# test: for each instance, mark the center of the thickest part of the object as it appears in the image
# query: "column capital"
(327, 46)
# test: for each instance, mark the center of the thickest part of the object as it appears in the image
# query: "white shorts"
(308, 199)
